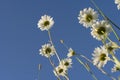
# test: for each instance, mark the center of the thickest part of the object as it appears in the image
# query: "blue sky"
(20, 39)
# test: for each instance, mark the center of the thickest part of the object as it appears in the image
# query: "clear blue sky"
(20, 39)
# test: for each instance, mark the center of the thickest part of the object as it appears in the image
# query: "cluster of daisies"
(48, 50)
(100, 30)
(118, 4)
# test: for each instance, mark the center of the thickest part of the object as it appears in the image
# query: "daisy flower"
(100, 30)
(87, 17)
(60, 71)
(111, 47)
(118, 3)
(47, 50)
(66, 63)
(71, 52)
(100, 56)
(45, 23)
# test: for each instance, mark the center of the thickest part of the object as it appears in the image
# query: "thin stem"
(109, 39)
(87, 68)
(66, 77)
(115, 34)
(91, 71)
(39, 68)
(85, 58)
(53, 45)
(52, 64)
(106, 74)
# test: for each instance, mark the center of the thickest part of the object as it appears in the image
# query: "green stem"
(108, 39)
(115, 34)
(39, 68)
(87, 68)
(66, 77)
(53, 45)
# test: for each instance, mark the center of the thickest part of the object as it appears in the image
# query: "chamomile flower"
(45, 23)
(111, 46)
(47, 50)
(71, 52)
(100, 56)
(100, 30)
(118, 4)
(60, 71)
(115, 68)
(66, 62)
(87, 17)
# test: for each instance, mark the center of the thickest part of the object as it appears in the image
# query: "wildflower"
(47, 50)
(71, 53)
(100, 30)
(45, 23)
(112, 46)
(87, 17)
(100, 56)
(115, 68)
(66, 62)
(60, 71)
(118, 3)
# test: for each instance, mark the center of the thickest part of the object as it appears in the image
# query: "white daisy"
(100, 56)
(60, 71)
(100, 30)
(115, 68)
(66, 62)
(118, 4)
(47, 50)
(111, 46)
(45, 23)
(71, 52)
(87, 17)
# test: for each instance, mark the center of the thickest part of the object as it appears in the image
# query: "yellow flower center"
(60, 71)
(48, 50)
(73, 53)
(102, 57)
(110, 48)
(46, 23)
(101, 30)
(89, 17)
(66, 63)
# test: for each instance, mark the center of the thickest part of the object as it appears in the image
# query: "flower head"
(45, 23)
(60, 71)
(118, 3)
(100, 30)
(66, 62)
(111, 46)
(47, 50)
(100, 56)
(71, 53)
(87, 17)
